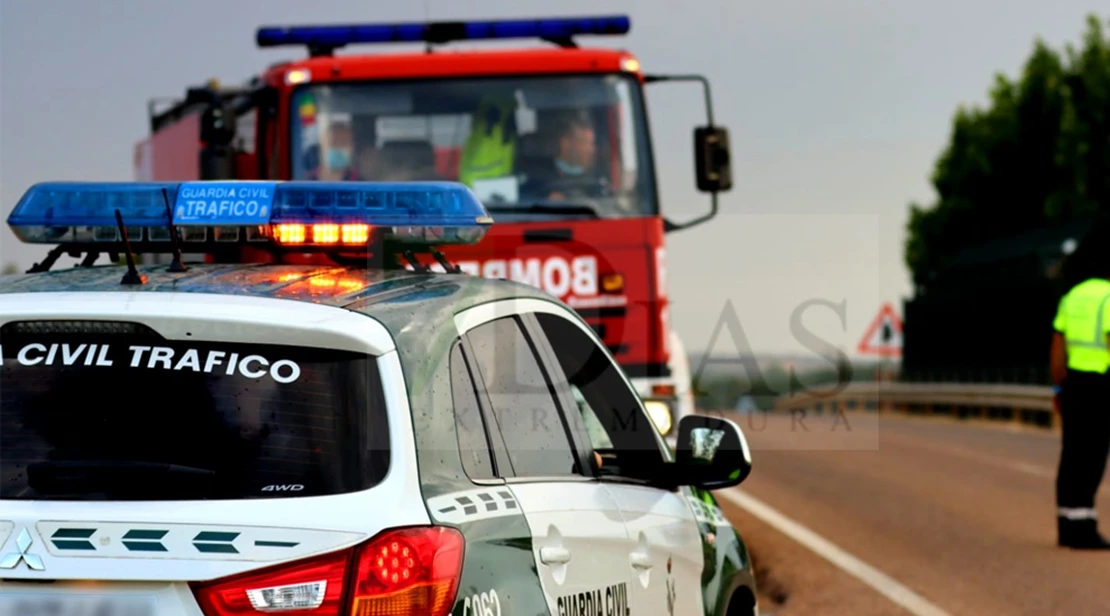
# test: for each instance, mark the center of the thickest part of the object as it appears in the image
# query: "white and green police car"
(225, 438)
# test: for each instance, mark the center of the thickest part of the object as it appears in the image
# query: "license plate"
(75, 605)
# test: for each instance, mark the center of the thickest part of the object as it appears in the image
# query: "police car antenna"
(132, 276)
(176, 266)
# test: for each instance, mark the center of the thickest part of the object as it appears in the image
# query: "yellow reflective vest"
(1083, 318)
(490, 150)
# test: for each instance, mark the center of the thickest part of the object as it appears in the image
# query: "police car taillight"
(313, 586)
(405, 572)
(294, 597)
(410, 571)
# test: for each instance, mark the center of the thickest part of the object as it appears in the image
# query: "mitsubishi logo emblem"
(22, 543)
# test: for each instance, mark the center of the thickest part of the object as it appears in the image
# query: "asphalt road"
(946, 517)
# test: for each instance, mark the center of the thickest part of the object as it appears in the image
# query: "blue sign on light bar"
(415, 212)
(441, 32)
(224, 203)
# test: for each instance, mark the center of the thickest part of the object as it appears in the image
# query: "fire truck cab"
(554, 140)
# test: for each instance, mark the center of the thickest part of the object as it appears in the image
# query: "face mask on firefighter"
(338, 159)
(568, 168)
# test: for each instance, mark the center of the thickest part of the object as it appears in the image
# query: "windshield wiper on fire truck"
(545, 207)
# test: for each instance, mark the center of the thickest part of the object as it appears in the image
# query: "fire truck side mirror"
(712, 159)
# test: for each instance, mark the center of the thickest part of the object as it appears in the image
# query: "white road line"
(882, 583)
(1003, 463)
(963, 452)
(1033, 469)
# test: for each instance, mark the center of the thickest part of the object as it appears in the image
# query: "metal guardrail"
(1024, 404)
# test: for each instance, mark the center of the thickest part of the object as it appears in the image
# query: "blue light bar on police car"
(342, 214)
(441, 32)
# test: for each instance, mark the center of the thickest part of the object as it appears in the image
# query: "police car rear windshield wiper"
(118, 478)
(545, 207)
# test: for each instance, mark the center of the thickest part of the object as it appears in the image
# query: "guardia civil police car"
(223, 439)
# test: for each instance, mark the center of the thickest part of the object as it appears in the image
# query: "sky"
(837, 112)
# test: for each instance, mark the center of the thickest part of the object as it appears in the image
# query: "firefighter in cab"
(1080, 359)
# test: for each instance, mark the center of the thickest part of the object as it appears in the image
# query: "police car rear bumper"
(123, 598)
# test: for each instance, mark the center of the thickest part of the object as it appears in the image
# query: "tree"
(9, 268)
(1039, 153)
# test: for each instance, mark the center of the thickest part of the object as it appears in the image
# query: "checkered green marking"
(73, 539)
(276, 544)
(145, 540)
(150, 540)
(211, 542)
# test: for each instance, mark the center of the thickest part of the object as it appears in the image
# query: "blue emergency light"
(333, 36)
(294, 214)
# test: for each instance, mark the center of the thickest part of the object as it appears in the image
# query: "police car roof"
(390, 296)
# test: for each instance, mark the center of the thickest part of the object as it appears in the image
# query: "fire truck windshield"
(535, 147)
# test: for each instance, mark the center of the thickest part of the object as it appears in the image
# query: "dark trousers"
(1085, 421)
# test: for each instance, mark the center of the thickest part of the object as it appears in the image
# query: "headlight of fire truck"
(661, 415)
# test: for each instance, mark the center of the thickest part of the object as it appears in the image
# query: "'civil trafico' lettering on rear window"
(159, 357)
(209, 361)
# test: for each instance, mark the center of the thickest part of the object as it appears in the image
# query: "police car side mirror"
(712, 159)
(711, 453)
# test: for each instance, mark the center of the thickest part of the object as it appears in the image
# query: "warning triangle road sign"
(884, 335)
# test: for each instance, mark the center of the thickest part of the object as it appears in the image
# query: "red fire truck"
(553, 138)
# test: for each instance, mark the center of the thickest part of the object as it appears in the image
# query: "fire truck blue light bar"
(333, 36)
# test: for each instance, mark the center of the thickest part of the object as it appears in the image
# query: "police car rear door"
(664, 554)
(579, 539)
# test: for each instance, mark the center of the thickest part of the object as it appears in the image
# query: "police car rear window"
(131, 416)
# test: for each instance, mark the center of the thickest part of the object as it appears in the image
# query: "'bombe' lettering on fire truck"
(554, 140)
(575, 277)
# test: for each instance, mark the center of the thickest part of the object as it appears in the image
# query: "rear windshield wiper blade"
(78, 476)
(545, 207)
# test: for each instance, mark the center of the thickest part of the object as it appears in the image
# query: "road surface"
(935, 516)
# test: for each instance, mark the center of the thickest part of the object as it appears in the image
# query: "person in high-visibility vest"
(490, 150)
(1080, 360)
